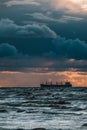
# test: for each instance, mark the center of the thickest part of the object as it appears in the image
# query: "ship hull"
(54, 86)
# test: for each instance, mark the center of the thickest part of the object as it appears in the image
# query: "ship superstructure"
(57, 84)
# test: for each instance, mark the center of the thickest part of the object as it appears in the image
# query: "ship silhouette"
(57, 84)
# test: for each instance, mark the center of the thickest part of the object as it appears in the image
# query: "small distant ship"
(57, 84)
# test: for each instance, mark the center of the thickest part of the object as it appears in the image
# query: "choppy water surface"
(51, 109)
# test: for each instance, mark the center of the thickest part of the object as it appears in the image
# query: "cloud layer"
(7, 50)
(46, 18)
(71, 6)
(23, 2)
(68, 6)
(10, 29)
(61, 55)
(72, 49)
(58, 47)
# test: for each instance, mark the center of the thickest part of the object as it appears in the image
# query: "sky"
(43, 40)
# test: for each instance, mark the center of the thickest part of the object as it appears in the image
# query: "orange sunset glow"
(21, 79)
(72, 6)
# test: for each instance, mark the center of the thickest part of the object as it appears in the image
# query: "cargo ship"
(57, 84)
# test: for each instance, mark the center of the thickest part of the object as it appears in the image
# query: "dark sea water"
(51, 109)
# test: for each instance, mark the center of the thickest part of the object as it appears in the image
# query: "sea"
(43, 108)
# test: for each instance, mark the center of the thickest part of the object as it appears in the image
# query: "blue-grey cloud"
(71, 49)
(69, 6)
(23, 2)
(58, 48)
(47, 18)
(7, 50)
(68, 18)
(60, 57)
(65, 24)
(9, 28)
(41, 64)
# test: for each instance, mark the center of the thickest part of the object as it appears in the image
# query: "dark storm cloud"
(40, 64)
(32, 28)
(58, 47)
(46, 13)
(7, 50)
(71, 49)
(9, 29)
(59, 55)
